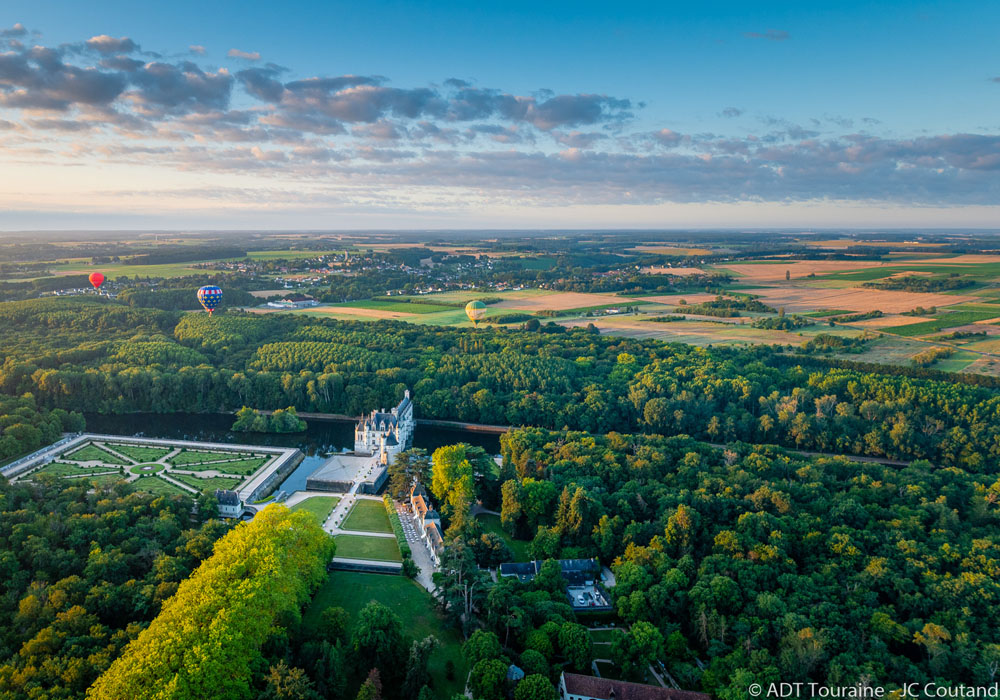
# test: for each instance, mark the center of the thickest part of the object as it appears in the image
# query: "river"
(319, 440)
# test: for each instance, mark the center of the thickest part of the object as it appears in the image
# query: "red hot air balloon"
(96, 279)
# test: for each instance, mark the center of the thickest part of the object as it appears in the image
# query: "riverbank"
(484, 428)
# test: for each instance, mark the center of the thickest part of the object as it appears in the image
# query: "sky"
(347, 115)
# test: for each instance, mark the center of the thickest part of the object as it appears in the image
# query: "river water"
(319, 440)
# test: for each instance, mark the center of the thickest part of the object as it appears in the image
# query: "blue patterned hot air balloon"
(210, 297)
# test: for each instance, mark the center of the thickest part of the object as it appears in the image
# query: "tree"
(334, 623)
(636, 649)
(510, 506)
(487, 679)
(550, 578)
(576, 646)
(460, 585)
(378, 639)
(533, 661)
(371, 689)
(535, 687)
(284, 683)
(481, 645)
(417, 676)
(413, 465)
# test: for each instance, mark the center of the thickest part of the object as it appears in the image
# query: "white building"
(230, 505)
(386, 433)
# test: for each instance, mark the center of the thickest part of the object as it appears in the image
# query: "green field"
(491, 523)
(144, 469)
(160, 487)
(416, 307)
(604, 636)
(319, 507)
(946, 320)
(183, 459)
(361, 547)
(367, 516)
(415, 606)
(208, 484)
(236, 467)
(93, 453)
(64, 469)
(140, 453)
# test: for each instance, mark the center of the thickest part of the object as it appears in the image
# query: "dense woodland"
(760, 564)
(82, 572)
(89, 355)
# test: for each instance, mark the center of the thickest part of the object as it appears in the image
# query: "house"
(583, 587)
(427, 522)
(386, 433)
(573, 686)
(230, 505)
(435, 541)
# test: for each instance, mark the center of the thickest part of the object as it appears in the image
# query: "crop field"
(415, 307)
(796, 298)
(945, 320)
(362, 312)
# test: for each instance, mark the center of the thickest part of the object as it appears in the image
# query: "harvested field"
(679, 271)
(775, 271)
(360, 311)
(671, 250)
(848, 242)
(674, 299)
(893, 302)
(561, 301)
(888, 321)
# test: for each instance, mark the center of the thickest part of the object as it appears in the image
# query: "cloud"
(770, 35)
(37, 78)
(197, 49)
(731, 112)
(17, 30)
(245, 55)
(181, 88)
(108, 45)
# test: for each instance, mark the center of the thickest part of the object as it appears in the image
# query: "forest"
(82, 572)
(93, 355)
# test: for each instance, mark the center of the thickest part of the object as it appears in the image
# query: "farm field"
(415, 607)
(367, 516)
(361, 547)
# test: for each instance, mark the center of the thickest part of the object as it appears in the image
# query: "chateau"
(386, 433)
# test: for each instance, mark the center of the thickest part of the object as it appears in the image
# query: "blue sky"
(801, 114)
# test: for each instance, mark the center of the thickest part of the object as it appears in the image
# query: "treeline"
(282, 420)
(756, 565)
(726, 307)
(183, 299)
(920, 283)
(83, 571)
(25, 428)
(183, 254)
(574, 378)
(207, 640)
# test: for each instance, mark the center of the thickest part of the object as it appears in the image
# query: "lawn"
(208, 484)
(352, 591)
(602, 636)
(63, 469)
(319, 506)
(187, 457)
(93, 453)
(140, 453)
(237, 467)
(367, 516)
(491, 523)
(159, 487)
(361, 547)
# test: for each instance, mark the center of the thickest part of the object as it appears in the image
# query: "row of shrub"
(397, 527)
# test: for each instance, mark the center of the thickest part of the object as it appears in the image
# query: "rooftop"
(607, 688)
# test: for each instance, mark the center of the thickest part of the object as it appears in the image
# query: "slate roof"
(227, 498)
(606, 688)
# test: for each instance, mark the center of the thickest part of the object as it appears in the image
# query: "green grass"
(290, 254)
(63, 469)
(491, 523)
(319, 507)
(367, 516)
(93, 453)
(361, 547)
(184, 459)
(160, 487)
(400, 306)
(957, 362)
(143, 469)
(948, 320)
(208, 484)
(602, 636)
(140, 453)
(415, 607)
(239, 467)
